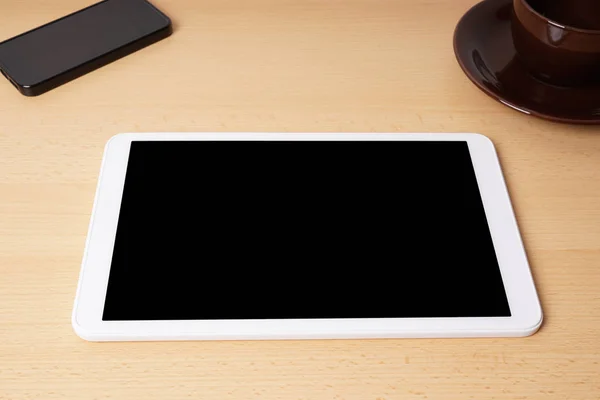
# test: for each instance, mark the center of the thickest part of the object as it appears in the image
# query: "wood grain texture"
(285, 65)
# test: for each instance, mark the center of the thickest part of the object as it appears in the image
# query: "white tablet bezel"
(87, 313)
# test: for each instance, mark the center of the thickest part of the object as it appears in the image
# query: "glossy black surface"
(484, 47)
(78, 43)
(582, 14)
(235, 230)
(559, 55)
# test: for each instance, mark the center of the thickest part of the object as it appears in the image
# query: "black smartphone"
(65, 49)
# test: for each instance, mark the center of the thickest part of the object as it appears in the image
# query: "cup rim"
(558, 24)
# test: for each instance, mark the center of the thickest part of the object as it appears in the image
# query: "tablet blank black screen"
(256, 230)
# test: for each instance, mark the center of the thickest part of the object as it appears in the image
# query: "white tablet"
(281, 236)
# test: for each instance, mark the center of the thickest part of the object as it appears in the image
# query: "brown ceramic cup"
(556, 52)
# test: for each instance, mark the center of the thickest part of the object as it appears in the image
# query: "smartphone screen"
(79, 39)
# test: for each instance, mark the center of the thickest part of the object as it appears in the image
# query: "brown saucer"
(484, 48)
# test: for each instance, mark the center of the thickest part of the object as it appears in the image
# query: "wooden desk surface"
(285, 65)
